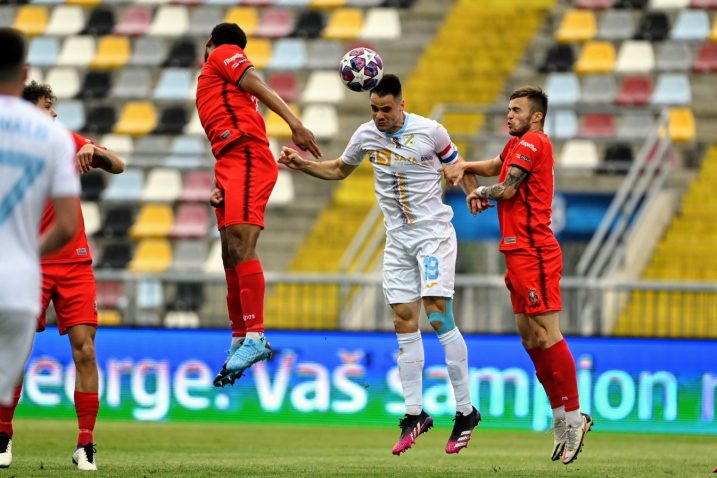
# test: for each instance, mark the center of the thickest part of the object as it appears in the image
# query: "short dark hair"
(33, 91)
(12, 54)
(229, 34)
(389, 85)
(538, 99)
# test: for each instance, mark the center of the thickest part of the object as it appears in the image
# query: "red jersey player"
(533, 257)
(69, 282)
(245, 174)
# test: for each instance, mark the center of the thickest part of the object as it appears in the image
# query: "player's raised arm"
(252, 83)
(92, 156)
(504, 190)
(334, 169)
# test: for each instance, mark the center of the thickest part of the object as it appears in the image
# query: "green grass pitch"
(42, 448)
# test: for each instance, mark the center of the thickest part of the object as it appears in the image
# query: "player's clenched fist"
(291, 158)
(84, 158)
(477, 204)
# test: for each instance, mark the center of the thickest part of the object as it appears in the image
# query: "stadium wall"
(350, 378)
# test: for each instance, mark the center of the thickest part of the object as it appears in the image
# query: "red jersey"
(77, 250)
(525, 218)
(227, 112)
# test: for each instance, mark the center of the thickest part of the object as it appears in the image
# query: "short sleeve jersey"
(525, 218)
(406, 165)
(226, 111)
(77, 249)
(36, 163)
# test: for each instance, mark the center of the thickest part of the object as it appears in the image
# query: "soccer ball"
(361, 69)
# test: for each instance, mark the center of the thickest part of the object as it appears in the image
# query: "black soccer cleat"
(462, 430)
(411, 427)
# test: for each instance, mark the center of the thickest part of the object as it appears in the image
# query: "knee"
(542, 339)
(84, 354)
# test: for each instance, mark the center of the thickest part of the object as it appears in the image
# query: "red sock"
(7, 412)
(251, 278)
(87, 404)
(561, 362)
(234, 303)
(545, 376)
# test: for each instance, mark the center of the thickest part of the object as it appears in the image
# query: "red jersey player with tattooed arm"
(69, 282)
(533, 257)
(245, 172)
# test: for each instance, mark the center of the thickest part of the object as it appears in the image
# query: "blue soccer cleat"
(251, 352)
(225, 377)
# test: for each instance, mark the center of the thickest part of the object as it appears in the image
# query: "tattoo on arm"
(104, 162)
(513, 180)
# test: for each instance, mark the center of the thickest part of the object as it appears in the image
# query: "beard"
(206, 55)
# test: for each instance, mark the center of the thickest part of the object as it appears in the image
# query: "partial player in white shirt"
(36, 165)
(407, 152)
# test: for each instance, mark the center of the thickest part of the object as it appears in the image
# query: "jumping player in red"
(533, 257)
(228, 92)
(69, 282)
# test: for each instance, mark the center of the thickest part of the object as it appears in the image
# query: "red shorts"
(533, 279)
(246, 173)
(71, 288)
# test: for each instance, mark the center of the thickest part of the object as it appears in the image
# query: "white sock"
(558, 413)
(456, 352)
(410, 369)
(574, 418)
(235, 340)
(254, 335)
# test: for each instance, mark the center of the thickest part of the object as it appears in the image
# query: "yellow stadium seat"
(258, 50)
(596, 57)
(344, 24)
(109, 317)
(327, 3)
(577, 26)
(31, 19)
(713, 32)
(154, 220)
(682, 125)
(84, 3)
(277, 127)
(112, 52)
(246, 17)
(152, 256)
(138, 118)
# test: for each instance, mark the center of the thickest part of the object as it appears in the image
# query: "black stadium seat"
(637, 4)
(617, 159)
(189, 296)
(182, 54)
(115, 256)
(101, 22)
(172, 121)
(96, 85)
(117, 222)
(100, 119)
(309, 25)
(92, 185)
(559, 58)
(654, 26)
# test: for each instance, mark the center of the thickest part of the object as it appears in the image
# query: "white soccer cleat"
(559, 428)
(84, 458)
(574, 437)
(5, 450)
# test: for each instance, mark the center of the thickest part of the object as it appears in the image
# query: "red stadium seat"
(286, 85)
(197, 186)
(135, 21)
(276, 23)
(191, 222)
(635, 90)
(110, 294)
(706, 61)
(596, 125)
(704, 4)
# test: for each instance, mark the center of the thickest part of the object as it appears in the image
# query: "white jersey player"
(407, 152)
(36, 164)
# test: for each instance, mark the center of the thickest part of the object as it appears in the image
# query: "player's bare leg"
(82, 341)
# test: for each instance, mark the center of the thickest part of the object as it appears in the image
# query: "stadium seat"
(381, 24)
(148, 51)
(162, 185)
(189, 255)
(283, 192)
(594, 4)
(71, 113)
(669, 4)
(84, 3)
(100, 22)
(92, 185)
(597, 125)
(109, 317)
(344, 24)
(189, 296)
(91, 217)
(562, 124)
(672, 89)
(292, 3)
(288, 54)
(183, 54)
(596, 57)
(119, 143)
(654, 26)
(258, 50)
(112, 52)
(635, 90)
(137, 118)
(691, 25)
(706, 61)
(286, 85)
(153, 220)
(635, 125)
(617, 159)
(151, 256)
(65, 20)
(192, 221)
(674, 56)
(77, 51)
(132, 83)
(135, 20)
(64, 81)
(151, 148)
(713, 32)
(194, 126)
(616, 25)
(247, 17)
(598, 89)
(100, 119)
(635, 57)
(125, 187)
(173, 84)
(324, 87)
(110, 294)
(214, 264)
(115, 256)
(275, 23)
(191, 145)
(35, 74)
(364, 3)
(96, 85)
(181, 319)
(576, 26)
(562, 88)
(309, 25)
(329, 4)
(634, 4)
(170, 20)
(704, 4)
(324, 54)
(150, 294)
(322, 120)
(43, 51)
(31, 19)
(172, 120)
(197, 185)
(7, 15)
(202, 19)
(682, 125)
(275, 126)
(117, 222)
(579, 154)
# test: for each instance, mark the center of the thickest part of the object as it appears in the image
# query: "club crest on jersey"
(533, 296)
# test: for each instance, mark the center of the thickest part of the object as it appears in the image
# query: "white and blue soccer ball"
(361, 69)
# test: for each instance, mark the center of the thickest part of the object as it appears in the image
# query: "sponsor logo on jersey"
(235, 56)
(530, 146)
(523, 157)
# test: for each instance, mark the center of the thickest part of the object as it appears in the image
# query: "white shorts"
(419, 261)
(17, 330)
